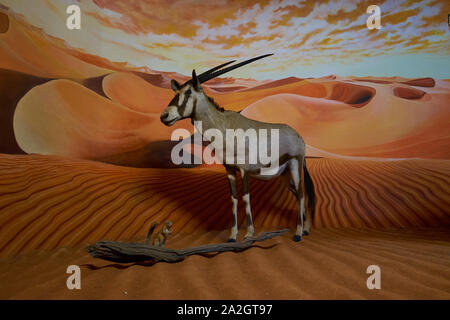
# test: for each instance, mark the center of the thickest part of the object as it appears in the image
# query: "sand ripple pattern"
(48, 202)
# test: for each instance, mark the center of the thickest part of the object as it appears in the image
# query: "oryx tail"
(309, 190)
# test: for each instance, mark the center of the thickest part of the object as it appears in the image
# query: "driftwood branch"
(138, 252)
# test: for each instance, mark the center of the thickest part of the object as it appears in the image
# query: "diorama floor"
(328, 264)
(393, 214)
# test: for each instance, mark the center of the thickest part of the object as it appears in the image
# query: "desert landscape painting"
(84, 156)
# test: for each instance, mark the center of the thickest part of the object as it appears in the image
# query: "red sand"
(48, 201)
(328, 264)
(52, 207)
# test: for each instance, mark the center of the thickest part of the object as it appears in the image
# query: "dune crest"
(79, 123)
(132, 91)
(275, 83)
(421, 82)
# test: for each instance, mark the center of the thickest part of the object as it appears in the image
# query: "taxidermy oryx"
(191, 102)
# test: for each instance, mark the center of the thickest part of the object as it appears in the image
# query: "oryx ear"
(195, 81)
(175, 85)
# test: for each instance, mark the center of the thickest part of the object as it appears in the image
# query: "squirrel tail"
(150, 231)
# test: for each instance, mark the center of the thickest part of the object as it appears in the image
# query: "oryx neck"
(207, 112)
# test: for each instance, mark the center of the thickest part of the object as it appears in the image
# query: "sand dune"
(276, 83)
(380, 127)
(156, 79)
(237, 101)
(4, 22)
(132, 91)
(419, 82)
(422, 82)
(329, 77)
(227, 88)
(95, 84)
(373, 80)
(408, 93)
(354, 95)
(48, 202)
(13, 86)
(78, 122)
(322, 111)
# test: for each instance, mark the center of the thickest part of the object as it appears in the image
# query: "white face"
(181, 106)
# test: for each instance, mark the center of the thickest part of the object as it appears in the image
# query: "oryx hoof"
(297, 238)
(249, 235)
(305, 233)
(231, 240)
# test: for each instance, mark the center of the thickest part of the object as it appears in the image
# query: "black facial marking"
(183, 105)
(174, 101)
(194, 105)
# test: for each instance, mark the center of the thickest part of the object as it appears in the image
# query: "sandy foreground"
(329, 264)
(391, 214)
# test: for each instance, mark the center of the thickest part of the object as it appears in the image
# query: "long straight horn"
(211, 74)
(205, 74)
(214, 69)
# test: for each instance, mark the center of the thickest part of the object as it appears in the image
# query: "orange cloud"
(175, 35)
(171, 17)
(341, 14)
(291, 11)
(231, 41)
(306, 38)
(437, 19)
(400, 16)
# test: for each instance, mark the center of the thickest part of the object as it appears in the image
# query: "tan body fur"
(190, 101)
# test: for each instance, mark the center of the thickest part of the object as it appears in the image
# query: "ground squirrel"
(160, 237)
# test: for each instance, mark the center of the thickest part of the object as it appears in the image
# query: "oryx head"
(183, 105)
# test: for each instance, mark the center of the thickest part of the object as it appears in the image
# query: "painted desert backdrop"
(84, 157)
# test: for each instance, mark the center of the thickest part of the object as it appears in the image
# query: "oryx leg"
(234, 199)
(290, 183)
(246, 197)
(295, 166)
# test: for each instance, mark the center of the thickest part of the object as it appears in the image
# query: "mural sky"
(308, 38)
